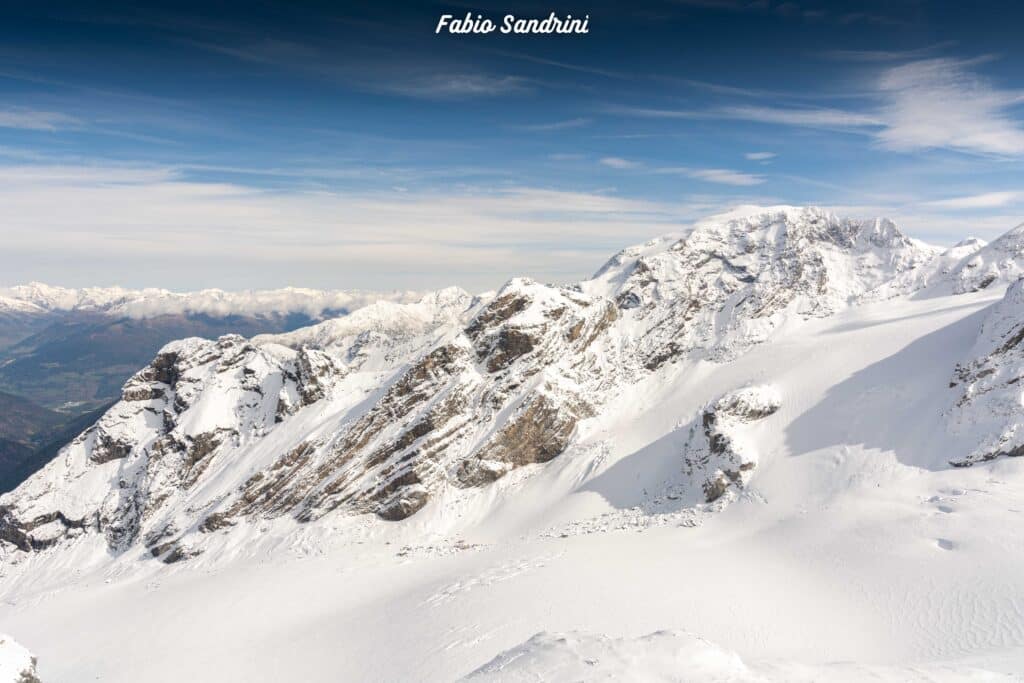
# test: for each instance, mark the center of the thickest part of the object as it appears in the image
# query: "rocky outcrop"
(718, 455)
(987, 388)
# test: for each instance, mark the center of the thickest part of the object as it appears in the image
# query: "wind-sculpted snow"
(989, 406)
(397, 405)
(668, 656)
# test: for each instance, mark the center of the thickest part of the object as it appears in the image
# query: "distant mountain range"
(64, 353)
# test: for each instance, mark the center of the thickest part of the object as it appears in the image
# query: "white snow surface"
(758, 422)
(17, 665)
(678, 657)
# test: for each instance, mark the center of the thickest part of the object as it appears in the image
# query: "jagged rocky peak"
(520, 318)
(725, 285)
(987, 387)
(537, 343)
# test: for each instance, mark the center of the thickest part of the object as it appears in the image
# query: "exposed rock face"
(989, 394)
(379, 411)
(718, 456)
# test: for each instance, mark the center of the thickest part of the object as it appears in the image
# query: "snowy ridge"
(38, 298)
(971, 265)
(1001, 261)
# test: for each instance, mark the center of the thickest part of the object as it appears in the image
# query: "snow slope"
(726, 434)
(17, 665)
(679, 656)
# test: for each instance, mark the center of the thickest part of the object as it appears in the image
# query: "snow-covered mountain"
(37, 298)
(71, 350)
(781, 358)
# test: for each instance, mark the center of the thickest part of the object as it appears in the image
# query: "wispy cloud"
(987, 200)
(579, 68)
(618, 162)
(808, 117)
(26, 119)
(141, 223)
(759, 156)
(454, 86)
(555, 125)
(923, 104)
(886, 55)
(721, 176)
(940, 103)
(814, 118)
(391, 74)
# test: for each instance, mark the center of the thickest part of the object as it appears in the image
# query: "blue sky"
(346, 145)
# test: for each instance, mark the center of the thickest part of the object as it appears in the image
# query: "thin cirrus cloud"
(454, 86)
(26, 119)
(813, 117)
(759, 156)
(886, 55)
(809, 117)
(620, 163)
(925, 104)
(940, 103)
(987, 200)
(405, 79)
(144, 218)
(555, 125)
(721, 176)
